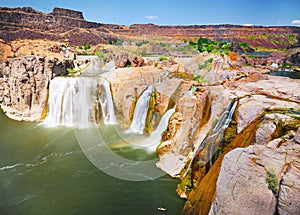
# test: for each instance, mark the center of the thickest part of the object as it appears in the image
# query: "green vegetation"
(272, 181)
(205, 44)
(150, 120)
(100, 55)
(186, 184)
(197, 78)
(144, 42)
(86, 46)
(206, 63)
(70, 71)
(116, 42)
(243, 44)
(163, 57)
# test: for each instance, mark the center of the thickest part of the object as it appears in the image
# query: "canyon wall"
(24, 85)
(68, 25)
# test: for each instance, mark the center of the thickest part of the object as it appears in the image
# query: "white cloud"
(248, 25)
(296, 22)
(151, 17)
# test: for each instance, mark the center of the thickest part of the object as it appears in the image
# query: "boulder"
(128, 60)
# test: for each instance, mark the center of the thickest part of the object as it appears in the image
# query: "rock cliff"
(68, 25)
(24, 85)
(261, 179)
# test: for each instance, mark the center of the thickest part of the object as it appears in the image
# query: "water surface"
(44, 171)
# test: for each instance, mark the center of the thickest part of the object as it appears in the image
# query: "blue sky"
(166, 12)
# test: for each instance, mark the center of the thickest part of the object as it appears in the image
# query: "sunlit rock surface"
(24, 85)
(243, 185)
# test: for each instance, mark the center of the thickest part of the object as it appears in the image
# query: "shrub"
(163, 57)
(69, 70)
(86, 46)
(272, 181)
(205, 64)
(100, 55)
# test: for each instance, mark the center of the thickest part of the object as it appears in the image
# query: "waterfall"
(94, 64)
(153, 140)
(106, 103)
(92, 68)
(140, 112)
(163, 124)
(213, 140)
(71, 102)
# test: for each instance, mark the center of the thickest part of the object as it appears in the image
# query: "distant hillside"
(70, 26)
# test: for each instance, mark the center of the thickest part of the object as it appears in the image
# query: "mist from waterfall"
(140, 112)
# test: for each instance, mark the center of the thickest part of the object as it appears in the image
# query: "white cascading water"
(94, 64)
(153, 140)
(140, 112)
(106, 102)
(71, 101)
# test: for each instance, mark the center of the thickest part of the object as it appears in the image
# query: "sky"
(174, 12)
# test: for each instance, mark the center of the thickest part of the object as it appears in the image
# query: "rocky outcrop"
(127, 60)
(61, 25)
(58, 19)
(293, 59)
(260, 179)
(24, 85)
(68, 13)
(267, 110)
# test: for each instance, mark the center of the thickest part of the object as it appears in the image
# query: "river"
(44, 171)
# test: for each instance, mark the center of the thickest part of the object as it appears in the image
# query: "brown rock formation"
(68, 25)
(60, 25)
(251, 178)
(124, 59)
(24, 85)
(68, 13)
(293, 59)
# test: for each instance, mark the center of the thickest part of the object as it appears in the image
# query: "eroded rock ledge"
(24, 85)
(261, 179)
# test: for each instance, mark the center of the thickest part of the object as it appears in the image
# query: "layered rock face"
(266, 118)
(261, 179)
(69, 13)
(60, 25)
(27, 23)
(24, 85)
(58, 19)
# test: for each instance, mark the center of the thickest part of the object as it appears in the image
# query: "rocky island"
(233, 139)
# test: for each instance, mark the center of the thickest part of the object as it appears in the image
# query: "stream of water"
(44, 171)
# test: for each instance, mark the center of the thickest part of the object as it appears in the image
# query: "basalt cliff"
(70, 26)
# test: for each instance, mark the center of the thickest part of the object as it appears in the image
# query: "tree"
(203, 43)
